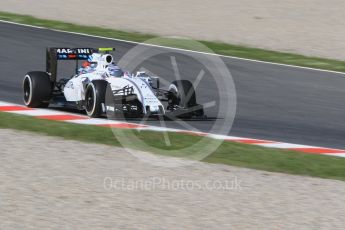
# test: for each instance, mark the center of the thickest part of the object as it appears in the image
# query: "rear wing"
(53, 55)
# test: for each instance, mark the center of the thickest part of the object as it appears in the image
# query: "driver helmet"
(115, 71)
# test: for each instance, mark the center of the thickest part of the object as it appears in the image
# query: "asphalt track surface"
(274, 102)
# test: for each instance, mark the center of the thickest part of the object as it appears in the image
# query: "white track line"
(3, 103)
(335, 154)
(179, 49)
(158, 129)
(225, 137)
(38, 112)
(93, 121)
(281, 145)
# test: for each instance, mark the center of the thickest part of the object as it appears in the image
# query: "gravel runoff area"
(310, 27)
(48, 182)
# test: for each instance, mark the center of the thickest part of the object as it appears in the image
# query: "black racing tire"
(37, 89)
(95, 98)
(181, 89)
(182, 95)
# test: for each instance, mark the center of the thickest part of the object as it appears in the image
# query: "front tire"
(182, 100)
(184, 93)
(95, 98)
(37, 89)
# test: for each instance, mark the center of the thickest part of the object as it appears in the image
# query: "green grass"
(237, 154)
(216, 47)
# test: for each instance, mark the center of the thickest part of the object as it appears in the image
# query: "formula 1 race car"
(101, 88)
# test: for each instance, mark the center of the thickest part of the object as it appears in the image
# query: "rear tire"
(95, 98)
(37, 89)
